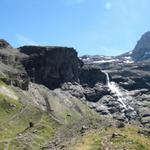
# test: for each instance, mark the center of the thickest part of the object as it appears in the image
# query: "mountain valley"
(51, 99)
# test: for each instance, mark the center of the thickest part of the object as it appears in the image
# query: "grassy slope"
(14, 127)
(15, 118)
(128, 138)
(14, 124)
(16, 134)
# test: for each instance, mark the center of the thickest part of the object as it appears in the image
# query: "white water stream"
(116, 90)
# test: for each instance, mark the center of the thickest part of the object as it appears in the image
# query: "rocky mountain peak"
(4, 43)
(144, 41)
(142, 48)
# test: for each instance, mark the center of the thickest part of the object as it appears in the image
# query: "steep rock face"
(51, 66)
(142, 49)
(91, 86)
(91, 74)
(132, 77)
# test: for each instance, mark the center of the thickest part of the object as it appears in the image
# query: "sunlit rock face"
(142, 49)
(4, 43)
(11, 70)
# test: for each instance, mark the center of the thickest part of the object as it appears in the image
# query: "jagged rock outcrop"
(51, 66)
(92, 94)
(91, 74)
(95, 93)
(133, 76)
(75, 89)
(142, 49)
(11, 69)
(91, 87)
(4, 43)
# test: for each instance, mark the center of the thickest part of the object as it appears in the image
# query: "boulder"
(96, 93)
(74, 89)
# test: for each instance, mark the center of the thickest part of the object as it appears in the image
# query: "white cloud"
(23, 40)
(108, 5)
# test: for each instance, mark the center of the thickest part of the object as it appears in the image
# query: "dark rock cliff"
(51, 66)
(91, 74)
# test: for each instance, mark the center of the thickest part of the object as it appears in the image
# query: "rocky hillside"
(51, 100)
(129, 83)
(31, 115)
(128, 79)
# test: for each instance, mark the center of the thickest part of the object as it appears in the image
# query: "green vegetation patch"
(36, 136)
(8, 107)
(23, 126)
(114, 138)
(130, 139)
(18, 133)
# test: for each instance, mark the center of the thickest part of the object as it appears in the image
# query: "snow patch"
(129, 61)
(104, 61)
(128, 57)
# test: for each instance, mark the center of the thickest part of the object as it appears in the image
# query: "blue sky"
(104, 27)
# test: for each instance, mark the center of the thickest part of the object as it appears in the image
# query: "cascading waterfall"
(116, 90)
(122, 97)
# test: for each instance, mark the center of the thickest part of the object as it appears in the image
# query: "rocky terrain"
(51, 99)
(129, 77)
